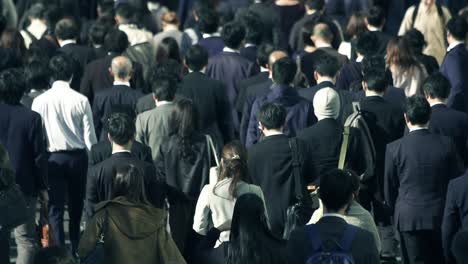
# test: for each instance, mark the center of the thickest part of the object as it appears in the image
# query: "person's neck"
(170, 27)
(121, 148)
(320, 43)
(118, 80)
(373, 93)
(309, 49)
(374, 28)
(412, 127)
(271, 132)
(311, 11)
(322, 79)
(436, 101)
(341, 211)
(160, 103)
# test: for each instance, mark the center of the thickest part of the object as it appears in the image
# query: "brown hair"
(170, 18)
(356, 26)
(234, 165)
(399, 53)
(12, 39)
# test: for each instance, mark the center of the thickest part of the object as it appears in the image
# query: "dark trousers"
(5, 246)
(67, 179)
(422, 246)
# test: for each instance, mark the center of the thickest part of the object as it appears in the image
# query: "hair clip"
(235, 157)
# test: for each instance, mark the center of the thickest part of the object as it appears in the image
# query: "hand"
(226, 226)
(44, 196)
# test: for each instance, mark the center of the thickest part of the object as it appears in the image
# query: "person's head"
(284, 71)
(116, 41)
(371, 63)
(428, 2)
(196, 58)
(37, 75)
(121, 130)
(356, 26)
(253, 28)
(263, 54)
(37, 12)
(271, 118)
(61, 68)
(456, 29)
(53, 255)
(326, 104)
(322, 34)
(460, 246)
(374, 82)
(129, 183)
(168, 49)
(326, 66)
(164, 88)
(233, 34)
(12, 39)
(11, 86)
(97, 33)
(66, 29)
(307, 32)
(274, 57)
(121, 68)
(375, 17)
(336, 190)
(169, 20)
(367, 44)
(105, 8)
(436, 87)
(400, 54)
(184, 124)
(234, 166)
(316, 5)
(208, 21)
(124, 14)
(415, 40)
(166, 68)
(417, 111)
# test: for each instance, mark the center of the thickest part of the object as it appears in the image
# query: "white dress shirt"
(67, 118)
(454, 45)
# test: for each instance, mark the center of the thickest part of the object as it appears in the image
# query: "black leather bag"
(98, 255)
(298, 214)
(12, 207)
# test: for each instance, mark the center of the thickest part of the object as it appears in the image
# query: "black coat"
(245, 85)
(249, 53)
(382, 41)
(454, 68)
(331, 228)
(81, 55)
(103, 150)
(308, 61)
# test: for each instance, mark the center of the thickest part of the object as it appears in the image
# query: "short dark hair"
(61, 67)
(208, 21)
(307, 31)
(457, 27)
(67, 29)
(166, 68)
(418, 110)
(375, 62)
(272, 116)
(196, 57)
(37, 11)
(129, 182)
(315, 4)
(376, 16)
(367, 43)
(97, 33)
(437, 86)
(53, 255)
(254, 28)
(284, 70)
(327, 65)
(263, 53)
(164, 88)
(336, 189)
(376, 80)
(126, 11)
(121, 128)
(116, 41)
(233, 34)
(37, 75)
(11, 86)
(415, 40)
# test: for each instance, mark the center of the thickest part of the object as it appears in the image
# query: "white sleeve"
(89, 133)
(201, 219)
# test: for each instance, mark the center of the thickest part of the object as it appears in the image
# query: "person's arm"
(91, 235)
(86, 86)
(407, 21)
(391, 182)
(39, 146)
(97, 115)
(139, 136)
(202, 212)
(167, 249)
(252, 129)
(450, 222)
(91, 197)
(88, 127)
(223, 113)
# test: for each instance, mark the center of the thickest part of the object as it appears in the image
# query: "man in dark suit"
(336, 194)
(22, 136)
(253, 36)
(119, 97)
(230, 67)
(455, 64)
(100, 177)
(300, 112)
(103, 150)
(418, 168)
(270, 165)
(375, 22)
(208, 22)
(209, 97)
(444, 120)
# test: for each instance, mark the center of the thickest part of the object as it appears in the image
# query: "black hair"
(316, 4)
(167, 68)
(417, 110)
(37, 11)
(375, 62)
(129, 182)
(116, 41)
(367, 43)
(272, 116)
(11, 86)
(327, 65)
(164, 88)
(233, 34)
(121, 128)
(263, 53)
(233, 166)
(67, 29)
(437, 86)
(196, 57)
(126, 11)
(37, 75)
(208, 21)
(336, 189)
(307, 31)
(168, 49)
(254, 28)
(415, 40)
(250, 233)
(459, 246)
(284, 71)
(61, 67)
(53, 255)
(97, 33)
(376, 80)
(457, 27)
(376, 16)
(184, 124)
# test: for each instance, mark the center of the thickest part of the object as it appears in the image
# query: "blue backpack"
(340, 254)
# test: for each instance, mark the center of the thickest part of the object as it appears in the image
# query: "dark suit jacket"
(212, 104)
(393, 95)
(231, 68)
(429, 62)
(331, 229)
(308, 61)
(452, 123)
(214, 45)
(145, 103)
(103, 150)
(270, 167)
(418, 168)
(249, 53)
(382, 40)
(117, 98)
(455, 213)
(82, 55)
(454, 68)
(22, 135)
(300, 112)
(350, 76)
(245, 85)
(99, 185)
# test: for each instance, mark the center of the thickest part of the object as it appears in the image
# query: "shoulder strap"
(30, 35)
(296, 164)
(348, 238)
(211, 147)
(415, 15)
(344, 148)
(314, 237)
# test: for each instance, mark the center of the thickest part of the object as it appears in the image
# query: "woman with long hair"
(168, 49)
(251, 240)
(355, 27)
(407, 72)
(129, 225)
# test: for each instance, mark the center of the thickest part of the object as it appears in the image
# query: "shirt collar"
(208, 35)
(67, 41)
(249, 45)
(263, 69)
(454, 45)
(359, 58)
(121, 83)
(417, 128)
(324, 45)
(373, 29)
(121, 151)
(437, 103)
(60, 85)
(333, 215)
(227, 49)
(161, 103)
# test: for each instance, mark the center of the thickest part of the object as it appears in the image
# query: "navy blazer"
(214, 45)
(454, 68)
(250, 53)
(300, 112)
(418, 168)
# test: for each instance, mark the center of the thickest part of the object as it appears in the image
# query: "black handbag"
(98, 256)
(298, 214)
(13, 207)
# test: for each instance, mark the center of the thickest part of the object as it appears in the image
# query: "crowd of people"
(234, 131)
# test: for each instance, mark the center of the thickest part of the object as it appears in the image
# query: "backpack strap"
(348, 238)
(296, 166)
(314, 237)
(415, 15)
